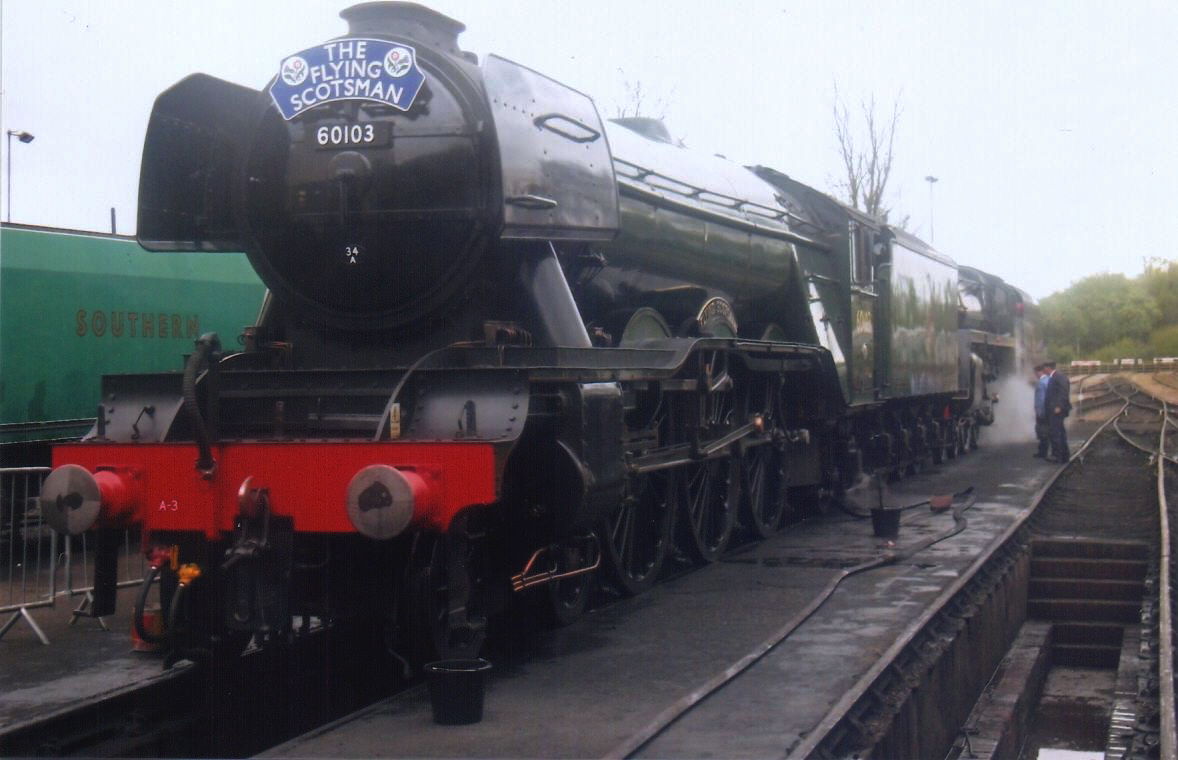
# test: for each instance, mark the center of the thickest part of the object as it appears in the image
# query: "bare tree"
(639, 103)
(866, 153)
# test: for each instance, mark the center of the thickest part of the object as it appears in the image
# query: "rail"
(1168, 741)
(37, 565)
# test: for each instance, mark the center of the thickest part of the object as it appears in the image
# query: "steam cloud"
(1014, 414)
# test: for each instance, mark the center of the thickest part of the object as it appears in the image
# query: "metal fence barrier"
(37, 565)
(79, 571)
(28, 549)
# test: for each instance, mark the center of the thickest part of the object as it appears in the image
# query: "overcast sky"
(1050, 124)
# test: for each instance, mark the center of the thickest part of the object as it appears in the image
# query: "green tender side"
(75, 306)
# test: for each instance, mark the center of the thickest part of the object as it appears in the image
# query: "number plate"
(344, 136)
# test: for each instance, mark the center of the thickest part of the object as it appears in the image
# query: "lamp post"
(932, 232)
(24, 137)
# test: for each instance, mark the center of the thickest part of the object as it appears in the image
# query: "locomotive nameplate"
(349, 68)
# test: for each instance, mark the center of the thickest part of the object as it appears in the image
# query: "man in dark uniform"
(1041, 434)
(1058, 406)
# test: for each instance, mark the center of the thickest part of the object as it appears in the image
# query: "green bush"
(1062, 355)
(1164, 341)
(1110, 316)
(1125, 348)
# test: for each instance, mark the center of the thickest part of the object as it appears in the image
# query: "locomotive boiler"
(507, 348)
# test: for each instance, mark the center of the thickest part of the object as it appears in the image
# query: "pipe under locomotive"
(505, 346)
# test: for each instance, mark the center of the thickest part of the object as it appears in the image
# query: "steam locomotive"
(506, 348)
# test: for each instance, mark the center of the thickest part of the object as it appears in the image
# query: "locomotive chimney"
(397, 19)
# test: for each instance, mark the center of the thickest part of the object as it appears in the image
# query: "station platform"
(587, 690)
(82, 663)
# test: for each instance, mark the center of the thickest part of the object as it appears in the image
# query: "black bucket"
(885, 522)
(456, 689)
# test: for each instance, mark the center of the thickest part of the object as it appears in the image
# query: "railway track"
(1167, 483)
(1116, 491)
(1095, 392)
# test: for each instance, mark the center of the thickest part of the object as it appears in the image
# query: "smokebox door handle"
(537, 202)
(567, 127)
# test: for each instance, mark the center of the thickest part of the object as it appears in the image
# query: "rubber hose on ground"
(141, 605)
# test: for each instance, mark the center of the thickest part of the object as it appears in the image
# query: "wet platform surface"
(586, 690)
(82, 663)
